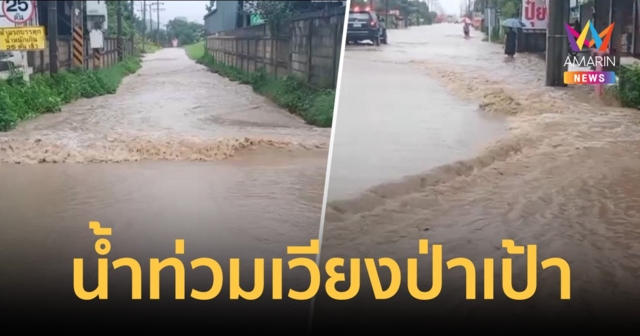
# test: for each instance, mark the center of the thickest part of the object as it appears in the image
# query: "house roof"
(209, 14)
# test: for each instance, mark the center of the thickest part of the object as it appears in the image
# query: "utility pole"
(132, 14)
(52, 18)
(132, 38)
(119, 28)
(158, 9)
(158, 14)
(77, 35)
(386, 13)
(557, 46)
(144, 24)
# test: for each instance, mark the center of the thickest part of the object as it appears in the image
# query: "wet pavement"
(215, 164)
(564, 176)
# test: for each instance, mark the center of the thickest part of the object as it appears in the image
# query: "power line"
(157, 7)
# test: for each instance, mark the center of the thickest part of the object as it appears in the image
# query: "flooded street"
(177, 153)
(564, 177)
(406, 123)
(172, 109)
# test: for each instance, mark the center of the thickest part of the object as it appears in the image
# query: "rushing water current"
(177, 153)
(561, 172)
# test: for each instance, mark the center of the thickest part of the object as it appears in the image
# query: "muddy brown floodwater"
(565, 176)
(177, 152)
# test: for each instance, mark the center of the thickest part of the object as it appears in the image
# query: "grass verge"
(313, 105)
(150, 48)
(48, 93)
(195, 51)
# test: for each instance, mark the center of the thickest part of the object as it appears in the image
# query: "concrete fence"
(309, 48)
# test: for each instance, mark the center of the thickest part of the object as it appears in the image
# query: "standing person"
(510, 42)
(465, 29)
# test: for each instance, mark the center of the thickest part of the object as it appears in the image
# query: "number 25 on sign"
(18, 11)
(25, 37)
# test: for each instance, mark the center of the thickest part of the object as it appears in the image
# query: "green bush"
(195, 51)
(314, 105)
(629, 86)
(46, 94)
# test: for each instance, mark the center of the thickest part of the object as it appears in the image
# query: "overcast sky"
(195, 10)
(192, 10)
(451, 6)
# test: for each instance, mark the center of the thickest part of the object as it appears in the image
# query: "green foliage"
(147, 45)
(128, 22)
(195, 51)
(629, 86)
(186, 32)
(509, 9)
(158, 36)
(47, 94)
(274, 13)
(314, 105)
(414, 10)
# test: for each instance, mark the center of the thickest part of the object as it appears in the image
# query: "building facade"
(223, 16)
(625, 15)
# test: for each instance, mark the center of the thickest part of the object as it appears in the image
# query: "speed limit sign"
(18, 11)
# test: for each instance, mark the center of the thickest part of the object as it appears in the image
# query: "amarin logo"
(597, 61)
(576, 45)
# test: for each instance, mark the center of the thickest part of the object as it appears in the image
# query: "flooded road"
(172, 109)
(564, 177)
(200, 158)
(406, 122)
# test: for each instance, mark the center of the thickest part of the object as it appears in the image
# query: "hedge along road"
(199, 158)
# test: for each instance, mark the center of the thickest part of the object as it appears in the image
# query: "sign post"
(25, 66)
(22, 37)
(489, 26)
(487, 21)
(490, 19)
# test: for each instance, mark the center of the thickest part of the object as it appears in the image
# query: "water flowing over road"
(172, 109)
(563, 176)
(177, 152)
